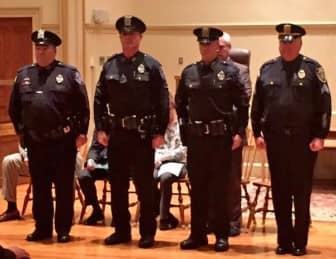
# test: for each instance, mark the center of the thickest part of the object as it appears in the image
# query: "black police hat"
(288, 31)
(42, 37)
(130, 23)
(205, 35)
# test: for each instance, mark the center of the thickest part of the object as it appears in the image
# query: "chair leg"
(252, 213)
(26, 199)
(265, 208)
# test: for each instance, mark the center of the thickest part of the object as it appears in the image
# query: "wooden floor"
(88, 241)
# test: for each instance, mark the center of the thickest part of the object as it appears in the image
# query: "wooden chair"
(263, 183)
(104, 200)
(181, 191)
(28, 197)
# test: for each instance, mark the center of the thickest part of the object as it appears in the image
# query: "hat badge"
(301, 74)
(287, 28)
(40, 34)
(205, 32)
(59, 78)
(221, 75)
(128, 21)
(141, 68)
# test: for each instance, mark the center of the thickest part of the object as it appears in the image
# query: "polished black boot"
(193, 243)
(221, 245)
(38, 236)
(117, 238)
(146, 241)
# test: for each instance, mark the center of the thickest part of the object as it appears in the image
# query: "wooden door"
(15, 52)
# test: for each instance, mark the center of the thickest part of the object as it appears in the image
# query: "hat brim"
(204, 41)
(287, 38)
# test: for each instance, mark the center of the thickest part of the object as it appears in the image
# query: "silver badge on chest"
(141, 68)
(301, 74)
(59, 79)
(221, 75)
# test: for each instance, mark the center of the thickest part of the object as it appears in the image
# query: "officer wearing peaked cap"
(49, 109)
(205, 97)
(43, 37)
(291, 112)
(131, 112)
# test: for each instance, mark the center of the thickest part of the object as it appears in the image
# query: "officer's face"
(45, 54)
(290, 50)
(209, 51)
(130, 40)
(224, 48)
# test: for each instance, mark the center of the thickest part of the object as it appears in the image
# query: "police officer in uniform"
(49, 109)
(131, 110)
(205, 97)
(291, 112)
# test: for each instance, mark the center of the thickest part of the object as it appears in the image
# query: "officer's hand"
(157, 141)
(91, 165)
(236, 141)
(102, 138)
(19, 252)
(260, 142)
(316, 144)
(81, 140)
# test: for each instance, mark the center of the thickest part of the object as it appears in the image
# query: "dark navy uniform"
(131, 105)
(49, 109)
(204, 99)
(291, 106)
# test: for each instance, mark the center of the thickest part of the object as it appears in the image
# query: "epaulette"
(26, 67)
(310, 60)
(269, 62)
(112, 57)
(61, 64)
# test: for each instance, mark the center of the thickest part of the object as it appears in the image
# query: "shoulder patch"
(321, 74)
(78, 78)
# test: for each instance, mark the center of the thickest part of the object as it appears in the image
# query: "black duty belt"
(211, 128)
(142, 124)
(55, 133)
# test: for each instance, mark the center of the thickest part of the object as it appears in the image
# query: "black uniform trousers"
(209, 163)
(87, 180)
(291, 166)
(52, 161)
(235, 188)
(128, 152)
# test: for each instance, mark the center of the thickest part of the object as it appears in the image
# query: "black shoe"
(94, 218)
(221, 245)
(117, 238)
(10, 215)
(299, 251)
(170, 223)
(283, 250)
(192, 243)
(38, 236)
(64, 238)
(146, 241)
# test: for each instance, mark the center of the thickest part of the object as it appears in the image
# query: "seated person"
(170, 161)
(13, 166)
(95, 168)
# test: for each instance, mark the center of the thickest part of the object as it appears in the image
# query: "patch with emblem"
(221, 75)
(321, 75)
(141, 68)
(59, 79)
(301, 74)
(78, 78)
(26, 82)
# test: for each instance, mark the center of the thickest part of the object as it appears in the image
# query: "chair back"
(241, 56)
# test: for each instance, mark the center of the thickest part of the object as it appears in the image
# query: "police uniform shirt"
(135, 86)
(292, 95)
(43, 98)
(207, 92)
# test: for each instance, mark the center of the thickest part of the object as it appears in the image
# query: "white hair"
(226, 37)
